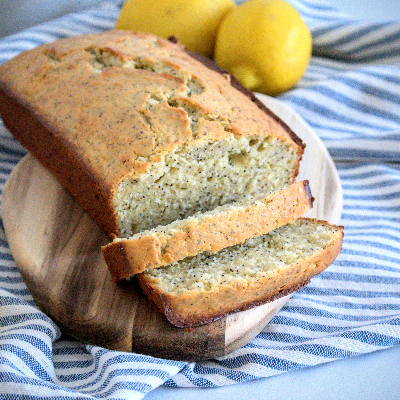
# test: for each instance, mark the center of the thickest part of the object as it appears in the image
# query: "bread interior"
(200, 177)
(278, 253)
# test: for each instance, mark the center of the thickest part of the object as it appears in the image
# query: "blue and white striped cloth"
(350, 97)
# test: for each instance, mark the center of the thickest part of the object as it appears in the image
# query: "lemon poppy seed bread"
(141, 132)
(203, 288)
(211, 231)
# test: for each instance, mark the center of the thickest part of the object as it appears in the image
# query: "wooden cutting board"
(56, 247)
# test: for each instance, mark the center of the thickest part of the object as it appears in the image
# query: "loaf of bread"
(203, 288)
(211, 231)
(186, 170)
(141, 132)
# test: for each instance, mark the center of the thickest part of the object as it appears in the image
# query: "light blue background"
(19, 14)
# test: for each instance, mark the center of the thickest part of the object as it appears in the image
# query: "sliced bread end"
(204, 288)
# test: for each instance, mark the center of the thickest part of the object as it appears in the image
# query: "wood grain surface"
(56, 247)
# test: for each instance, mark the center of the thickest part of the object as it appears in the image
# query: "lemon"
(265, 44)
(193, 22)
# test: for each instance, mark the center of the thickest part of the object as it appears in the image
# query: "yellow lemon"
(265, 44)
(193, 22)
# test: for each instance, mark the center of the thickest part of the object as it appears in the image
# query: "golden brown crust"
(198, 308)
(169, 306)
(127, 257)
(56, 155)
(75, 112)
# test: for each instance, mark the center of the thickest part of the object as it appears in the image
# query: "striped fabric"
(349, 96)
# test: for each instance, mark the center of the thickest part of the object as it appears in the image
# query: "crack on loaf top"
(197, 116)
(52, 55)
(194, 114)
(103, 58)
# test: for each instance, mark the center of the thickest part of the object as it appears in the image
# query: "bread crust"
(60, 158)
(76, 121)
(197, 308)
(127, 257)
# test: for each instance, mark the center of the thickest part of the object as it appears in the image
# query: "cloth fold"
(349, 96)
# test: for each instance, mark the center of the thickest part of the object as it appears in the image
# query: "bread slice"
(212, 231)
(203, 288)
(141, 132)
